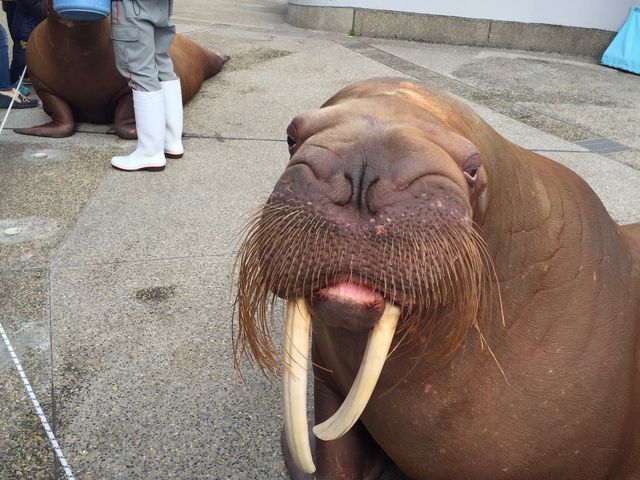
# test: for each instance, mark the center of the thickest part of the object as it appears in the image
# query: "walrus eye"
(292, 144)
(292, 137)
(470, 169)
(471, 174)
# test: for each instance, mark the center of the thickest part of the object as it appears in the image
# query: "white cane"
(15, 95)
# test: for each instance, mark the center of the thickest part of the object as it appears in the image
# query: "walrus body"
(535, 376)
(72, 67)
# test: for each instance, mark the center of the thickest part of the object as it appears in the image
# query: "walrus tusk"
(298, 326)
(374, 358)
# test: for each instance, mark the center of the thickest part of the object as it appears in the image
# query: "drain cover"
(602, 145)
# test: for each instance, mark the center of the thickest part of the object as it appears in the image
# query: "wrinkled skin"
(72, 67)
(561, 398)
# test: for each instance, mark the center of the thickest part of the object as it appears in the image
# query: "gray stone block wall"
(330, 19)
(427, 28)
(550, 38)
(452, 30)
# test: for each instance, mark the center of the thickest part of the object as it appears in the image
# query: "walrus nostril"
(361, 185)
(348, 198)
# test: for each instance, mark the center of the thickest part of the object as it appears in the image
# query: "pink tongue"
(347, 292)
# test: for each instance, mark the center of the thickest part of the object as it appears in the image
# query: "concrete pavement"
(116, 292)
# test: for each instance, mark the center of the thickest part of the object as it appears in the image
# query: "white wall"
(601, 14)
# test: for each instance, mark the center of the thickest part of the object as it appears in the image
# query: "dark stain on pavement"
(155, 294)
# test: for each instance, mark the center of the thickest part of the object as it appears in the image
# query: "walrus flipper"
(124, 120)
(61, 125)
(215, 62)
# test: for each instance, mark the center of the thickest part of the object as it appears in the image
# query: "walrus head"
(370, 229)
(54, 17)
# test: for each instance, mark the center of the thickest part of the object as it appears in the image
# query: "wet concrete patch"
(245, 53)
(392, 473)
(492, 98)
(548, 82)
(255, 56)
(570, 99)
(42, 196)
(30, 229)
(42, 155)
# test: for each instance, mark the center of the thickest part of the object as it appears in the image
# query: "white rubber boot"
(174, 115)
(149, 155)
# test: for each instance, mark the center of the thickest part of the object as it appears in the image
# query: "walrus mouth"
(348, 292)
(426, 280)
(298, 328)
(347, 304)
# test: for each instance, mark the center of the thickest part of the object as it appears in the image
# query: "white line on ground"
(36, 405)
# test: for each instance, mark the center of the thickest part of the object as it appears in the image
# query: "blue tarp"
(624, 51)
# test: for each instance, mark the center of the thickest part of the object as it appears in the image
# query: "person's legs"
(18, 54)
(174, 120)
(164, 34)
(132, 32)
(7, 93)
(148, 108)
(18, 61)
(9, 10)
(5, 80)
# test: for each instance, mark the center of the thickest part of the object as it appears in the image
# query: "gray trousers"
(142, 32)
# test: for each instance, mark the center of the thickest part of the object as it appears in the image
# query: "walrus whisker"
(490, 270)
(321, 367)
(259, 339)
(324, 247)
(454, 341)
(493, 274)
(255, 255)
(398, 343)
(431, 304)
(313, 232)
(490, 350)
(293, 234)
(277, 258)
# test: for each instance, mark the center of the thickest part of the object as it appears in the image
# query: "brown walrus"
(72, 67)
(475, 310)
